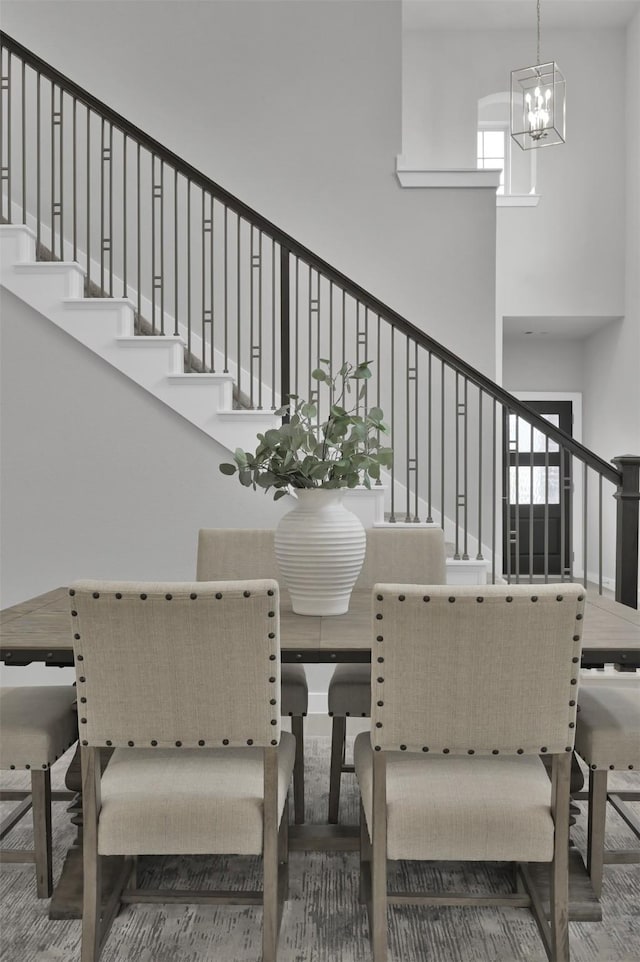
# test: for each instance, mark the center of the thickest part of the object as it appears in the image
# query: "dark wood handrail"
(291, 245)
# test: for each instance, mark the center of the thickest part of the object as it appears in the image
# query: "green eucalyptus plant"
(340, 452)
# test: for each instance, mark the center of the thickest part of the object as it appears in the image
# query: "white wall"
(99, 479)
(543, 364)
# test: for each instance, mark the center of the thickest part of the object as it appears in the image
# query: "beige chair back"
(475, 669)
(393, 554)
(177, 664)
(228, 553)
(403, 555)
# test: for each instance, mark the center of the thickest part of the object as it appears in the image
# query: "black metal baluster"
(479, 555)
(125, 289)
(226, 289)
(456, 553)
(161, 246)
(429, 442)
(102, 206)
(517, 502)
(309, 333)
(585, 519)
(23, 156)
(189, 324)
(408, 432)
(260, 341)
(494, 491)
(204, 319)
(344, 325)
(465, 503)
(599, 534)
(74, 179)
(296, 355)
(253, 264)
(509, 540)
(52, 107)
(110, 239)
(531, 501)
(176, 286)
(442, 445)
(153, 244)
(285, 328)
(416, 471)
(238, 301)
(273, 324)
(38, 154)
(88, 134)
(138, 234)
(392, 515)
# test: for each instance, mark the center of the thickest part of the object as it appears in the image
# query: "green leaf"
(318, 375)
(280, 493)
(228, 469)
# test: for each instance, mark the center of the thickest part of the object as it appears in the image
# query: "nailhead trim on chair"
(479, 599)
(178, 744)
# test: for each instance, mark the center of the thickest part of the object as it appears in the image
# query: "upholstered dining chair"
(469, 686)
(399, 554)
(228, 553)
(183, 682)
(608, 738)
(37, 725)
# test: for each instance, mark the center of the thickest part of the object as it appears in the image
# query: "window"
(518, 178)
(491, 152)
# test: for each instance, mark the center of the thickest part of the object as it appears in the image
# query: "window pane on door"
(520, 480)
(523, 435)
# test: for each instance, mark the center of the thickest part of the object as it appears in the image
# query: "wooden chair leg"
(92, 889)
(41, 808)
(338, 737)
(297, 728)
(560, 869)
(596, 828)
(379, 859)
(364, 894)
(270, 857)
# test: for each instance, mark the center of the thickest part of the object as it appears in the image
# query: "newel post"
(627, 520)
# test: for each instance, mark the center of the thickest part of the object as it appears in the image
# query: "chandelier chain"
(538, 9)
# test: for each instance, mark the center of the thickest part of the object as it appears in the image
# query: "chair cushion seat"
(38, 724)
(187, 801)
(295, 691)
(350, 691)
(608, 724)
(483, 808)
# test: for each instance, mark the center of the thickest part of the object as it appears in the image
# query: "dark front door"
(537, 497)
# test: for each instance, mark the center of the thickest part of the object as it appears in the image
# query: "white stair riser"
(17, 244)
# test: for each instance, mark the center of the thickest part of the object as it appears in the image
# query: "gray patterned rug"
(323, 921)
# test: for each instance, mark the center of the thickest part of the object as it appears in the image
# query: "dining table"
(38, 630)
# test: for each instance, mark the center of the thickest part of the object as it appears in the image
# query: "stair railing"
(249, 300)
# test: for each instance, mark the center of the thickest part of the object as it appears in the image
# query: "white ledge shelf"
(464, 177)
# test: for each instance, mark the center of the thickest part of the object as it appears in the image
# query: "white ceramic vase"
(320, 547)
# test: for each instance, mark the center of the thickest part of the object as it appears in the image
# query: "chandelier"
(538, 103)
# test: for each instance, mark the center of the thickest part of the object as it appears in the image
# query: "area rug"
(323, 920)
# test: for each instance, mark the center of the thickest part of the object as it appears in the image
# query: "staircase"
(220, 314)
